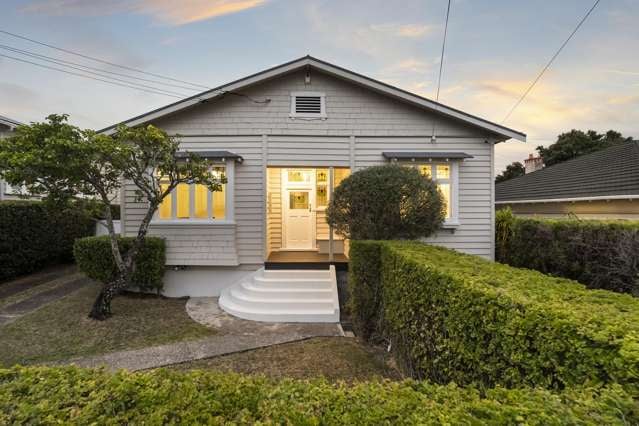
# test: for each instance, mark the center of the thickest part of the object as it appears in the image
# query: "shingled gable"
(495, 130)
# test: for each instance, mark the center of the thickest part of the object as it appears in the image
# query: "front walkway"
(235, 335)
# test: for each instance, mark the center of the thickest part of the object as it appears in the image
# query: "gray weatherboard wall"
(361, 124)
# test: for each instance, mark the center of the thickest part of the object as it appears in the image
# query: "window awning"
(424, 155)
(212, 155)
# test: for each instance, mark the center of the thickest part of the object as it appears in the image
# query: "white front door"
(299, 214)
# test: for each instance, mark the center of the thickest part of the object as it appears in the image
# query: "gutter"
(564, 200)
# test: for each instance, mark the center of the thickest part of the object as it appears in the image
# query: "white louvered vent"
(308, 105)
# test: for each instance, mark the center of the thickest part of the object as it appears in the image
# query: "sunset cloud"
(170, 12)
(403, 30)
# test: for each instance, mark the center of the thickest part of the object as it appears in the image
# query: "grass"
(334, 358)
(62, 329)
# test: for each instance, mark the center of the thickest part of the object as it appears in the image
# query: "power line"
(441, 61)
(63, 62)
(98, 73)
(550, 62)
(71, 52)
(157, 92)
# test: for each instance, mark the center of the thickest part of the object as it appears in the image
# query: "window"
(194, 201)
(442, 175)
(322, 184)
(308, 105)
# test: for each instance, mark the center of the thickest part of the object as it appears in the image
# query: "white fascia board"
(567, 200)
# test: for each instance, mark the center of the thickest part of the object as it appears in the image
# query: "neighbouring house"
(7, 126)
(532, 163)
(600, 185)
(284, 138)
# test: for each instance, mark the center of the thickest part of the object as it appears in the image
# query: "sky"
(494, 49)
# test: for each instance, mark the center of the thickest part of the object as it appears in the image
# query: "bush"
(386, 202)
(94, 258)
(600, 254)
(456, 317)
(68, 395)
(34, 234)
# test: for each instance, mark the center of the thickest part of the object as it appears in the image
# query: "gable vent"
(308, 105)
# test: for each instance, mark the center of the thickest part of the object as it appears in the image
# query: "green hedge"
(455, 317)
(34, 234)
(600, 254)
(94, 258)
(70, 395)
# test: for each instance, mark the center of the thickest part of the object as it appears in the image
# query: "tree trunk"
(101, 309)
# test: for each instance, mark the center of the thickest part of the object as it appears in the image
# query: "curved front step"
(284, 296)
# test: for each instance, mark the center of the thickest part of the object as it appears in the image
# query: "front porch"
(298, 236)
(305, 260)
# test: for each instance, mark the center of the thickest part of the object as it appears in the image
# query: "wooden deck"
(304, 260)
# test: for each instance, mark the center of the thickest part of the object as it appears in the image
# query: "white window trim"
(453, 180)
(229, 201)
(322, 115)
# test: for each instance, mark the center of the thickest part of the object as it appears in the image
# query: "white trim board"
(564, 200)
(502, 132)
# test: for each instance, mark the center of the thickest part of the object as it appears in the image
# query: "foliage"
(93, 257)
(600, 254)
(576, 142)
(456, 317)
(95, 208)
(384, 202)
(68, 395)
(61, 161)
(35, 234)
(512, 171)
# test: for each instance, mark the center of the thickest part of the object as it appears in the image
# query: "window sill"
(191, 222)
(451, 224)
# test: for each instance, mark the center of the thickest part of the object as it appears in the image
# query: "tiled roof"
(612, 171)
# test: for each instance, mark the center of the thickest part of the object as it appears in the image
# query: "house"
(600, 185)
(285, 137)
(7, 126)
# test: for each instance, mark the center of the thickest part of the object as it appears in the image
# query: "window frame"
(452, 180)
(321, 116)
(229, 166)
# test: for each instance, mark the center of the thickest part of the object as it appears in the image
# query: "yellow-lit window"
(201, 202)
(443, 171)
(194, 201)
(441, 175)
(340, 175)
(426, 170)
(321, 192)
(444, 188)
(164, 211)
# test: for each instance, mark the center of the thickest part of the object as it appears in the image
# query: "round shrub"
(384, 203)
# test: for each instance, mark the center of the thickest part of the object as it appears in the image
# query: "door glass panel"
(298, 200)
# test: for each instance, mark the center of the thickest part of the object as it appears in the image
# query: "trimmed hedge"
(68, 395)
(456, 317)
(34, 234)
(94, 258)
(600, 254)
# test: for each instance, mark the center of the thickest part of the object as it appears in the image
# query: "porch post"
(331, 181)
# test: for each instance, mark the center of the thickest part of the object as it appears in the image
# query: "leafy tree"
(61, 161)
(384, 203)
(576, 142)
(513, 170)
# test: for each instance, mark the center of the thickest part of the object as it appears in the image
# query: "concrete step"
(284, 296)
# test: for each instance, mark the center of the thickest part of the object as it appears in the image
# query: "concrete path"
(68, 284)
(235, 335)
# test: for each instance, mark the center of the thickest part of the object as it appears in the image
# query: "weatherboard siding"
(361, 124)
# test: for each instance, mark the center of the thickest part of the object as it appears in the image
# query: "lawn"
(62, 329)
(334, 358)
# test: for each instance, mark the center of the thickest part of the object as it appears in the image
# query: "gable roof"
(9, 122)
(607, 174)
(497, 130)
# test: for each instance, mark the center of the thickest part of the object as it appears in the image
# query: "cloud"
(410, 65)
(166, 11)
(403, 30)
